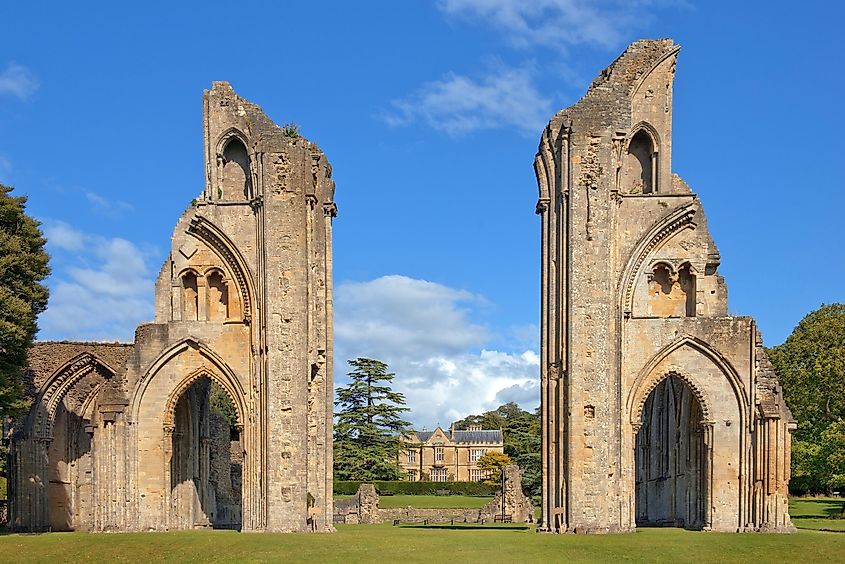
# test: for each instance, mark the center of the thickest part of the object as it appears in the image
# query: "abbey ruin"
(658, 408)
(121, 437)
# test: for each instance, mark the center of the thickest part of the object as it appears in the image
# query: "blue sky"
(430, 113)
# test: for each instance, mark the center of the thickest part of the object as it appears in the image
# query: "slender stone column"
(707, 428)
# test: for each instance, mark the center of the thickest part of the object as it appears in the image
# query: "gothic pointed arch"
(232, 391)
(664, 229)
(649, 377)
(221, 373)
(59, 384)
(223, 247)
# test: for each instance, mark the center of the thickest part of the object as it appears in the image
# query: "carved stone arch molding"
(228, 135)
(203, 372)
(216, 240)
(648, 378)
(220, 372)
(648, 386)
(545, 166)
(59, 384)
(650, 130)
(669, 54)
(659, 233)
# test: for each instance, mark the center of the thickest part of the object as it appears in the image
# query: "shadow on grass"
(462, 527)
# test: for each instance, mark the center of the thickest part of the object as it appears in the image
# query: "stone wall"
(512, 503)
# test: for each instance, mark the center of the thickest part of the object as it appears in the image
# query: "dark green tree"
(811, 366)
(369, 429)
(23, 266)
(220, 403)
(521, 433)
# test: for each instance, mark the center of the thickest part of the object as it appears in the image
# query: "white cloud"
(508, 97)
(102, 295)
(457, 104)
(17, 80)
(426, 333)
(107, 206)
(60, 234)
(560, 24)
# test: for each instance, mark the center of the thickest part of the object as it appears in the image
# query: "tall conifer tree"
(369, 429)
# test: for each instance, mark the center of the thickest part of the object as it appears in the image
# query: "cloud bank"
(104, 291)
(425, 331)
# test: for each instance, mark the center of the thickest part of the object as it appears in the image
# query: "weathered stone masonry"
(657, 407)
(120, 437)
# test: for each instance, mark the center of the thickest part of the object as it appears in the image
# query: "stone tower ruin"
(122, 437)
(658, 408)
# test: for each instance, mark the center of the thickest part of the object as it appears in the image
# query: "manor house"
(448, 456)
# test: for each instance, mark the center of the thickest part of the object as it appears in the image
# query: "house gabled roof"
(483, 436)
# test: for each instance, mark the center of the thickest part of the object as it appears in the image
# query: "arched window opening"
(671, 294)
(236, 180)
(640, 164)
(206, 460)
(686, 279)
(190, 297)
(218, 296)
(670, 458)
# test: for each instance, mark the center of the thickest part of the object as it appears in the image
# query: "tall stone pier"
(658, 408)
(124, 437)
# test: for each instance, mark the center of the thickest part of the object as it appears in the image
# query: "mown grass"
(385, 543)
(816, 513)
(465, 543)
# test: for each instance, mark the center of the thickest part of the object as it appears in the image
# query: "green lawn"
(385, 543)
(464, 543)
(815, 512)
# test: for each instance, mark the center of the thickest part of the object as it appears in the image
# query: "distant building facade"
(448, 456)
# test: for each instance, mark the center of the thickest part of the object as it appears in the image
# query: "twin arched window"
(205, 298)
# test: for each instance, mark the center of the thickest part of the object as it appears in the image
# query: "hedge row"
(342, 487)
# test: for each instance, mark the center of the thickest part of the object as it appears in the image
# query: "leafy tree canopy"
(23, 266)
(811, 367)
(369, 427)
(494, 463)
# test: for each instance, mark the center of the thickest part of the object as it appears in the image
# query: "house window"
(412, 475)
(438, 454)
(438, 474)
(412, 456)
(476, 474)
(476, 453)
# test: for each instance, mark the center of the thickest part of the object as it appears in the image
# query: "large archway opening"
(70, 469)
(670, 458)
(206, 459)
